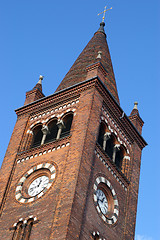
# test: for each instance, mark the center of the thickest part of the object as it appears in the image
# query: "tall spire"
(78, 72)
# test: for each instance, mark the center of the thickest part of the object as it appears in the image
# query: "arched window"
(52, 131)
(37, 136)
(28, 229)
(102, 130)
(119, 156)
(67, 120)
(110, 145)
(96, 237)
(22, 230)
(18, 232)
(106, 139)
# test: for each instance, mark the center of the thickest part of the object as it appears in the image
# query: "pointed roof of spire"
(88, 56)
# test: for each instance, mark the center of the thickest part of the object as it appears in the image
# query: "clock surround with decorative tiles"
(42, 169)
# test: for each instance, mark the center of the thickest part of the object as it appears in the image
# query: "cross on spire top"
(104, 12)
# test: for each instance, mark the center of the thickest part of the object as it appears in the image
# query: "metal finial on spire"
(135, 105)
(104, 12)
(40, 79)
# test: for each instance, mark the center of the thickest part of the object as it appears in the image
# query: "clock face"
(102, 201)
(105, 200)
(38, 185)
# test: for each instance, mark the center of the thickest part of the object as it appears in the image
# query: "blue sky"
(45, 37)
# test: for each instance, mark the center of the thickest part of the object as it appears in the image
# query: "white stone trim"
(72, 103)
(24, 221)
(43, 153)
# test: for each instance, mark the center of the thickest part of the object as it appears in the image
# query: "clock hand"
(101, 200)
(39, 183)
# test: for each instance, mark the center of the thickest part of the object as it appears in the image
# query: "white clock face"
(38, 185)
(102, 201)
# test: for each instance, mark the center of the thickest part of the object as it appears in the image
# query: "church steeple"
(71, 170)
(78, 72)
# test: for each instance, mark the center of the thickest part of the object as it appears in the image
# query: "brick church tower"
(71, 170)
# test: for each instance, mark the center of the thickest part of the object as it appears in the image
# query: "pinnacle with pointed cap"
(39, 84)
(36, 93)
(135, 109)
(136, 119)
(88, 56)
